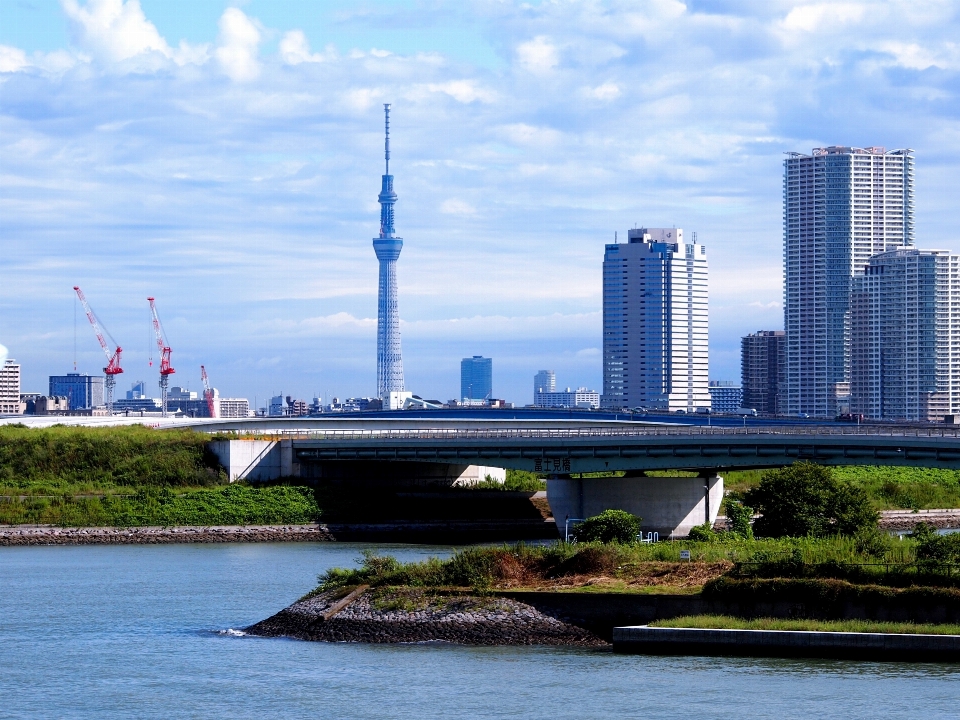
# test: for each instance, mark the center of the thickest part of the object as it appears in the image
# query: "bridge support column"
(670, 506)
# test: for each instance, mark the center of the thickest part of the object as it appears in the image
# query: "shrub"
(933, 548)
(609, 526)
(739, 517)
(703, 533)
(805, 499)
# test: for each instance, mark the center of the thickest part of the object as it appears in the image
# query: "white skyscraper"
(904, 310)
(841, 206)
(655, 322)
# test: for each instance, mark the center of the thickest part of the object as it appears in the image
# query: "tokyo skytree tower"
(388, 247)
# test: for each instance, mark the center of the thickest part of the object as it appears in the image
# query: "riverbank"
(446, 533)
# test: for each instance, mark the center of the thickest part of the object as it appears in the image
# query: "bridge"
(421, 451)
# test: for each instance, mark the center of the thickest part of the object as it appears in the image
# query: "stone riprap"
(411, 616)
(46, 535)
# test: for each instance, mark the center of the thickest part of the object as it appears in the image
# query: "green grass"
(727, 622)
(516, 480)
(889, 488)
(237, 504)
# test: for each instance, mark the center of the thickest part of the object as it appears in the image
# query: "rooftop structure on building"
(905, 336)
(762, 369)
(655, 352)
(476, 380)
(841, 206)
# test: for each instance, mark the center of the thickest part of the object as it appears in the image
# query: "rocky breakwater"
(409, 615)
(46, 535)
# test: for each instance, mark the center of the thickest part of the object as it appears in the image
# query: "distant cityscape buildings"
(545, 381)
(579, 398)
(841, 206)
(476, 380)
(762, 370)
(655, 351)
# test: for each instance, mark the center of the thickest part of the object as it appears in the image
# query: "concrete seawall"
(786, 643)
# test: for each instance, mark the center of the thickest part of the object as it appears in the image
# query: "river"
(143, 631)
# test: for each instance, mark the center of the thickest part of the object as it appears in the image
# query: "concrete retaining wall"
(786, 643)
(670, 506)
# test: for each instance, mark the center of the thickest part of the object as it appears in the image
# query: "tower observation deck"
(387, 248)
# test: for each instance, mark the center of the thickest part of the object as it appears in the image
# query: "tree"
(805, 499)
(739, 517)
(609, 526)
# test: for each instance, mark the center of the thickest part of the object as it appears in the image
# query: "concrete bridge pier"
(670, 506)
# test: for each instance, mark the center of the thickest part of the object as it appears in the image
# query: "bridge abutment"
(670, 506)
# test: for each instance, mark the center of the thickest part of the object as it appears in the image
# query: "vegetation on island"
(727, 622)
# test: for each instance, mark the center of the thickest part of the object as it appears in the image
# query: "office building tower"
(544, 381)
(841, 206)
(83, 391)
(10, 388)
(137, 391)
(655, 322)
(387, 247)
(725, 396)
(476, 379)
(762, 369)
(905, 363)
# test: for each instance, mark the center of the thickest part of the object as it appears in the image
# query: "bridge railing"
(461, 434)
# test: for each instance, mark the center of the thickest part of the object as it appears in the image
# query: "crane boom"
(166, 369)
(208, 393)
(113, 360)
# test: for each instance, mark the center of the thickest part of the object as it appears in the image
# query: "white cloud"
(465, 91)
(295, 49)
(115, 29)
(239, 46)
(606, 91)
(817, 16)
(12, 59)
(457, 207)
(538, 55)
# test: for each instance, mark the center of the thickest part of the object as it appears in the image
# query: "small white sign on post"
(684, 554)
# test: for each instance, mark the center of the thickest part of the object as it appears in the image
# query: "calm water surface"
(131, 631)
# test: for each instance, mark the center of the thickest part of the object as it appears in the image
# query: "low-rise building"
(725, 396)
(579, 398)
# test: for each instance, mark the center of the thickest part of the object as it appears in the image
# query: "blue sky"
(225, 157)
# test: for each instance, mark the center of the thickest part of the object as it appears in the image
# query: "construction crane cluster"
(113, 367)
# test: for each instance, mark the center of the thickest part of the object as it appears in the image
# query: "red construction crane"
(166, 369)
(208, 394)
(113, 361)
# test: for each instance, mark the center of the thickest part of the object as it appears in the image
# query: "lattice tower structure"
(388, 247)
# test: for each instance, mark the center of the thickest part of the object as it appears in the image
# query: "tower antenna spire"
(386, 144)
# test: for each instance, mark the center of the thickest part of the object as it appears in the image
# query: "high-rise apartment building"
(83, 391)
(655, 322)
(476, 378)
(904, 334)
(762, 370)
(10, 388)
(841, 206)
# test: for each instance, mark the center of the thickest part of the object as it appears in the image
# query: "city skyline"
(233, 180)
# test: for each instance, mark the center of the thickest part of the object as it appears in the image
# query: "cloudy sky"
(225, 157)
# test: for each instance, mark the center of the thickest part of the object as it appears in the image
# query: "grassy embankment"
(726, 622)
(131, 476)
